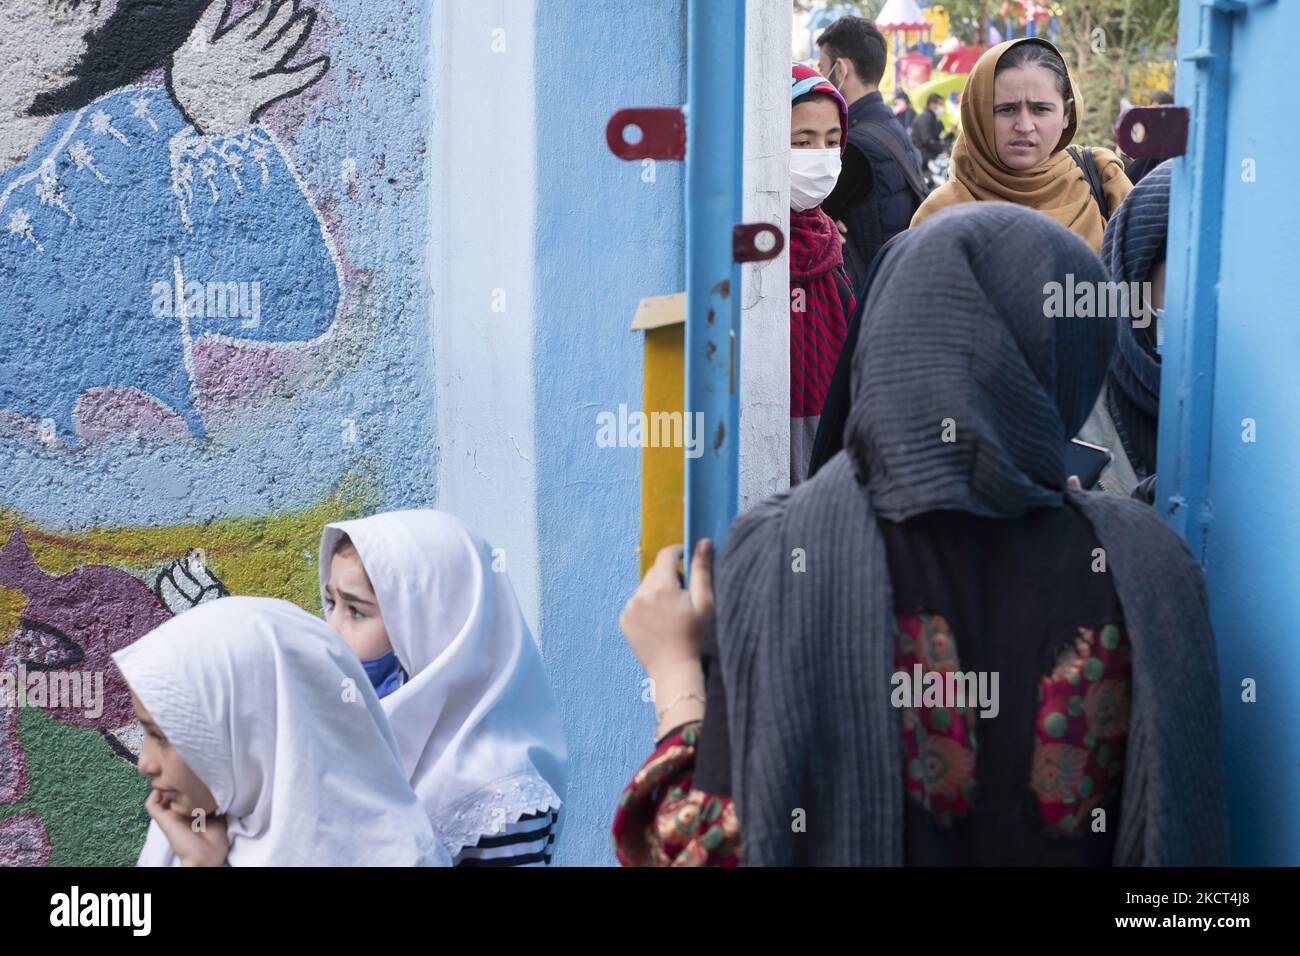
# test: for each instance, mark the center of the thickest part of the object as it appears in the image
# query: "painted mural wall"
(215, 339)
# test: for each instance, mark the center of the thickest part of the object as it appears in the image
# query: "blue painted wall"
(1231, 356)
(604, 239)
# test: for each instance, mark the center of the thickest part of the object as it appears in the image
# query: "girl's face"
(40, 42)
(1029, 115)
(179, 788)
(815, 124)
(352, 609)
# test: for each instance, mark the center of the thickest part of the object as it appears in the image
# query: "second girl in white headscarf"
(440, 633)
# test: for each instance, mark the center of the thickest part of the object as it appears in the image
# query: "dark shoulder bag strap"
(908, 164)
(1089, 168)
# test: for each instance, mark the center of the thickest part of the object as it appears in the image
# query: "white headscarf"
(274, 713)
(476, 722)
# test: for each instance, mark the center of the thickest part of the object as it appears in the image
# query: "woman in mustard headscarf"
(1019, 112)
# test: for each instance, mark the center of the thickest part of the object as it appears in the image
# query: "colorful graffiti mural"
(203, 242)
(67, 602)
(200, 338)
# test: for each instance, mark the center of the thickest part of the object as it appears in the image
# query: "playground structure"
(900, 19)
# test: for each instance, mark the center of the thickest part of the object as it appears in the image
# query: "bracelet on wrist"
(684, 695)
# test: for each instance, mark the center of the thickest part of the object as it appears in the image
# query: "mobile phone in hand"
(1086, 460)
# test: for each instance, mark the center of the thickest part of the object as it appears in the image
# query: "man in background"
(927, 130)
(853, 59)
(903, 111)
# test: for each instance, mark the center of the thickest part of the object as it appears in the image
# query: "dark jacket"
(1136, 169)
(927, 134)
(888, 209)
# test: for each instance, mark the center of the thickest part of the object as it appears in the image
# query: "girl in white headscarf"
(260, 724)
(420, 600)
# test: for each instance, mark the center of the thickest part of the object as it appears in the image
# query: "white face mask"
(830, 74)
(813, 173)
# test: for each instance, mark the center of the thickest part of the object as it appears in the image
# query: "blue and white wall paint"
(320, 258)
(608, 234)
(483, 307)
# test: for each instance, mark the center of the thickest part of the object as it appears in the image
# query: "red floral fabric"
(939, 742)
(1080, 740)
(1082, 728)
(662, 821)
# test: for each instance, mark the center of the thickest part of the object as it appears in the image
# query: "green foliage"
(869, 8)
(865, 8)
(1113, 48)
(966, 16)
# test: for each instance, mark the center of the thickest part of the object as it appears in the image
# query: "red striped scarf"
(818, 309)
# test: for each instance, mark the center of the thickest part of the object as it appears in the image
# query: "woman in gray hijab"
(934, 651)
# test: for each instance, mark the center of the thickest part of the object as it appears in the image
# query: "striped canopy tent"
(901, 17)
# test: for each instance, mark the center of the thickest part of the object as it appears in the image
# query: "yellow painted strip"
(663, 470)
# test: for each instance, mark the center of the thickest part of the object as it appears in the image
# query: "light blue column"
(714, 156)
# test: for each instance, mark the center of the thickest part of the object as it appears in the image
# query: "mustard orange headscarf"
(1055, 187)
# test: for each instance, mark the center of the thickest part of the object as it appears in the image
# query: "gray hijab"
(957, 347)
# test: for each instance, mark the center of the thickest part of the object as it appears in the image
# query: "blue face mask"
(1160, 330)
(386, 675)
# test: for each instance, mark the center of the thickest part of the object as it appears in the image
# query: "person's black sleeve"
(927, 135)
(835, 412)
(713, 753)
(917, 132)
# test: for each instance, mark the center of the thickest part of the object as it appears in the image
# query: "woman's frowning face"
(1029, 115)
(352, 608)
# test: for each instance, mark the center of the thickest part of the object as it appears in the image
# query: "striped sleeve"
(529, 842)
